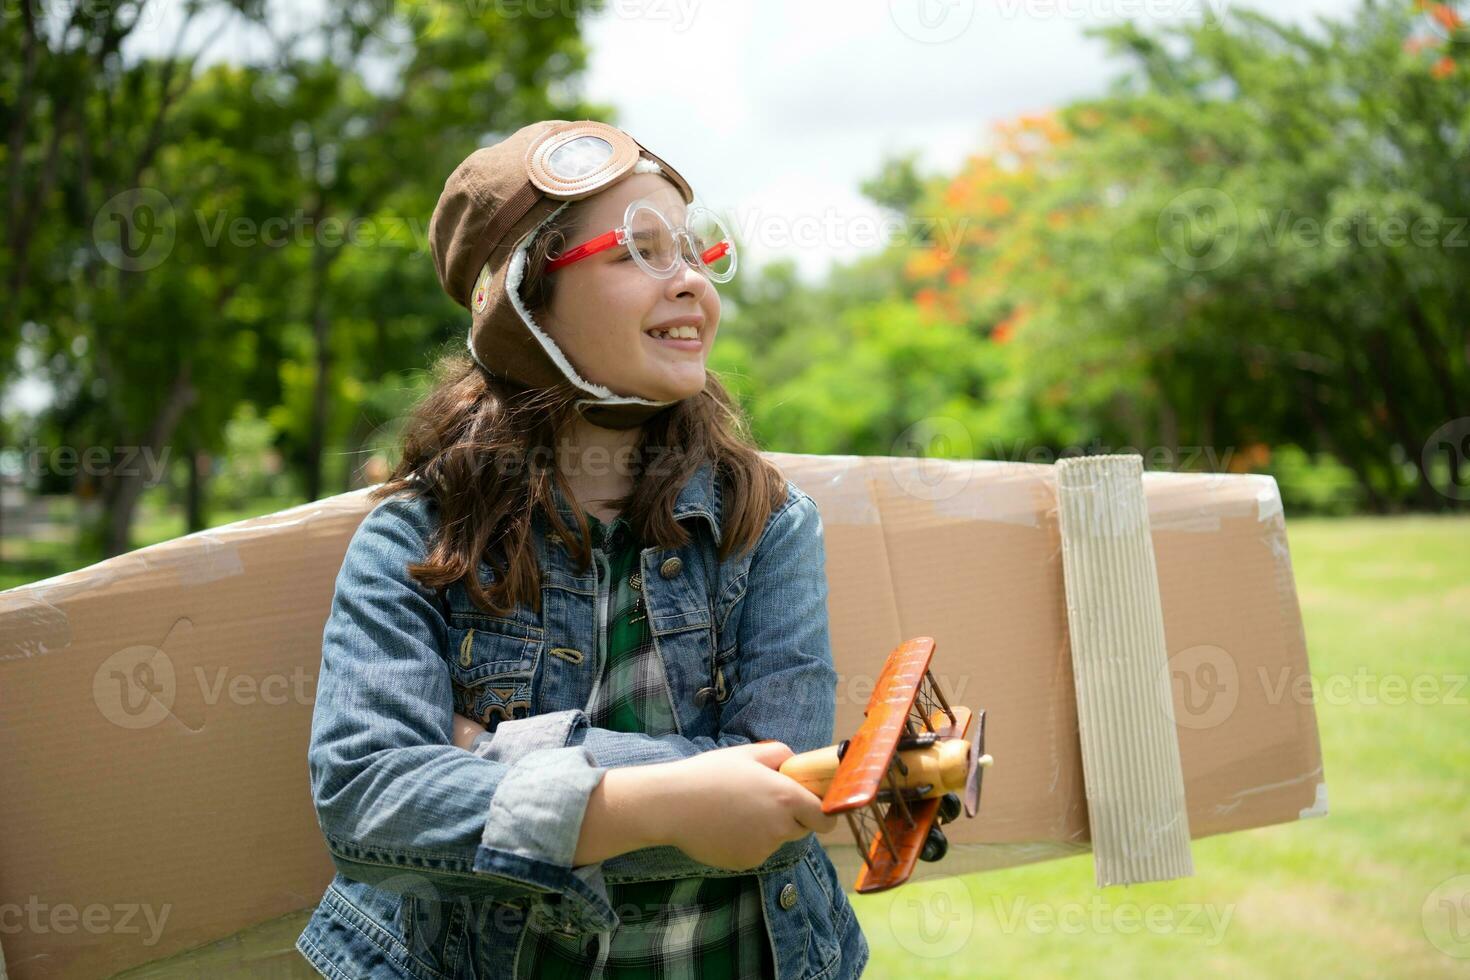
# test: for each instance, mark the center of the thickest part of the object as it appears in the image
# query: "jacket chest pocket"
(492, 668)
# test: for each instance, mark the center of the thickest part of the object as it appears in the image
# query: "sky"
(776, 111)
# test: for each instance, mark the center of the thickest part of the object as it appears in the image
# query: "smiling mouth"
(681, 332)
(677, 342)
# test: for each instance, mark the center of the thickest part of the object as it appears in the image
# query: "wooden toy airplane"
(921, 747)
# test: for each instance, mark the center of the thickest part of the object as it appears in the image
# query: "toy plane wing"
(913, 752)
(865, 757)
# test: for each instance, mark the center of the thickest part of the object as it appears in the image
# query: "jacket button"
(671, 567)
(788, 896)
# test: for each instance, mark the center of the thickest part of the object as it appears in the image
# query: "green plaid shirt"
(691, 928)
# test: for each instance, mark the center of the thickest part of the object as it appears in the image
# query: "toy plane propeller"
(914, 752)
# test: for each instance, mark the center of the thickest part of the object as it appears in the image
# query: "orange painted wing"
(870, 751)
(882, 870)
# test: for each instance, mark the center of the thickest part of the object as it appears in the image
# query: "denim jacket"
(442, 854)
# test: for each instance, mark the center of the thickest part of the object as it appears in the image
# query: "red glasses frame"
(620, 235)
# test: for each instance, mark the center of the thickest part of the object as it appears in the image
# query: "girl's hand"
(465, 730)
(731, 809)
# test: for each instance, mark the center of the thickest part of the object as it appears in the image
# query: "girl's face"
(604, 306)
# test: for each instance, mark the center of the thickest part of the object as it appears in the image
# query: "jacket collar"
(699, 497)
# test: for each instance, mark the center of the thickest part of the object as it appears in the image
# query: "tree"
(183, 239)
(1249, 241)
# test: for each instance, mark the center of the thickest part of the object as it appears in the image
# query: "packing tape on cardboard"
(1199, 501)
(840, 485)
(31, 626)
(973, 490)
(1317, 809)
(1125, 706)
(197, 558)
(848, 489)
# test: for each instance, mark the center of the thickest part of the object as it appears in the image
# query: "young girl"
(584, 574)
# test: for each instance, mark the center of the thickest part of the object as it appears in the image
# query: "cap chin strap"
(619, 416)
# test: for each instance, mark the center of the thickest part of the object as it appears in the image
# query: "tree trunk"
(194, 518)
(123, 490)
(1437, 356)
(1338, 450)
(1379, 360)
(321, 335)
(1169, 428)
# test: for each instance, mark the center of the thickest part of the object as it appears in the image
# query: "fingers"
(804, 806)
(771, 753)
(465, 731)
(825, 825)
(808, 813)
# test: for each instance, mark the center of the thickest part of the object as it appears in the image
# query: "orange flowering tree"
(1260, 236)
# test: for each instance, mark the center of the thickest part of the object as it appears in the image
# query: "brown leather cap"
(484, 221)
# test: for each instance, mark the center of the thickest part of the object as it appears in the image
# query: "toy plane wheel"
(936, 845)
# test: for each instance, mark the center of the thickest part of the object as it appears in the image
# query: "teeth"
(685, 332)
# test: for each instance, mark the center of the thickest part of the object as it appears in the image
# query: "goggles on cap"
(577, 159)
(656, 243)
(569, 161)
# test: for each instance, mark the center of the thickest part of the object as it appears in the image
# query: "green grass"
(1341, 896)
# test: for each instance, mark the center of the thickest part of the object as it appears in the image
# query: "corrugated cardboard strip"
(1125, 705)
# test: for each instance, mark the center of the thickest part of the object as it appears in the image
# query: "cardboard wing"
(155, 707)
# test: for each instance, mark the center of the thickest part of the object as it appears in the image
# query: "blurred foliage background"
(1251, 253)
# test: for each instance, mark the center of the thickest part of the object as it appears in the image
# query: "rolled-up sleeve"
(390, 789)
